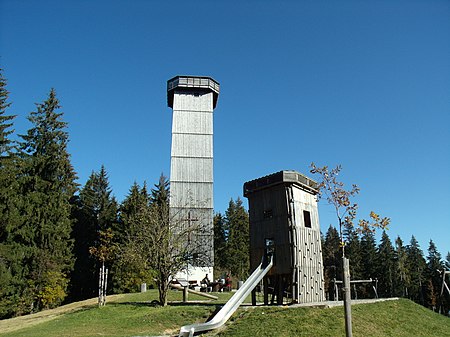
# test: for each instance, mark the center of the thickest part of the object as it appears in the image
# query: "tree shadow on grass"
(156, 304)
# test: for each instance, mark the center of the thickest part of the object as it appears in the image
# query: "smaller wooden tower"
(283, 208)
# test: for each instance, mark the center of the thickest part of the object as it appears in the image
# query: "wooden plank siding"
(283, 207)
(193, 99)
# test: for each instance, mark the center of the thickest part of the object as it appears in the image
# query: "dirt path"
(16, 323)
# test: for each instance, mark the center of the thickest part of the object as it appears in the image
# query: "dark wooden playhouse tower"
(283, 209)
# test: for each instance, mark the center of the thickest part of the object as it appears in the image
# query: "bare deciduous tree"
(166, 243)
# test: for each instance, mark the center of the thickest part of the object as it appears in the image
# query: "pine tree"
(7, 169)
(238, 244)
(434, 266)
(96, 213)
(368, 255)
(130, 209)
(447, 261)
(47, 183)
(6, 121)
(107, 207)
(416, 267)
(13, 255)
(160, 193)
(332, 260)
(386, 267)
(7, 164)
(368, 263)
(129, 273)
(220, 242)
(402, 271)
(353, 251)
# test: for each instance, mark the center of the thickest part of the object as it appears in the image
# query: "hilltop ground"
(133, 315)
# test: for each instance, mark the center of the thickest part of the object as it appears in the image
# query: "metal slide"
(233, 303)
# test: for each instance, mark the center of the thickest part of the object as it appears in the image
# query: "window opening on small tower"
(268, 214)
(307, 219)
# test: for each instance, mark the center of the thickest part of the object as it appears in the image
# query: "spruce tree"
(129, 273)
(220, 242)
(47, 183)
(434, 266)
(7, 169)
(96, 214)
(13, 255)
(417, 268)
(7, 165)
(83, 282)
(160, 193)
(353, 251)
(332, 260)
(238, 244)
(386, 267)
(130, 209)
(402, 270)
(368, 262)
(6, 121)
(368, 255)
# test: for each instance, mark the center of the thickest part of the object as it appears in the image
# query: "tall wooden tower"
(193, 100)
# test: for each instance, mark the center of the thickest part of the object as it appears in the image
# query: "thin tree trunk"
(100, 287)
(105, 286)
(347, 299)
(163, 289)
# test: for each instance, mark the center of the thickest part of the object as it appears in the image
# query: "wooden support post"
(280, 290)
(185, 294)
(266, 290)
(347, 299)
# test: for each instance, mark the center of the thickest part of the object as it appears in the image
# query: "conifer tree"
(220, 242)
(386, 267)
(368, 255)
(353, 251)
(6, 121)
(128, 272)
(368, 263)
(47, 183)
(96, 213)
(434, 266)
(12, 254)
(332, 260)
(130, 209)
(7, 169)
(160, 193)
(417, 267)
(402, 271)
(238, 244)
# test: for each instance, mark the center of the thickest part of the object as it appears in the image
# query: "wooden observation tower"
(283, 210)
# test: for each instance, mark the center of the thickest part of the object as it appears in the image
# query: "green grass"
(117, 320)
(392, 318)
(133, 316)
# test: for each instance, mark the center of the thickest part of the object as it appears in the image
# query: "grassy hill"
(133, 315)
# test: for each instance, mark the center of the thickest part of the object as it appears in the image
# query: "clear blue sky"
(365, 84)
